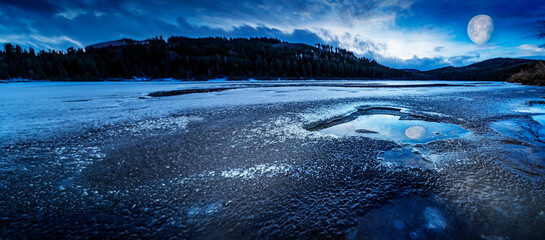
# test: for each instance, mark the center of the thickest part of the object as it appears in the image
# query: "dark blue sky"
(398, 33)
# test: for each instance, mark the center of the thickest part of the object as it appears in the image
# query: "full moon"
(480, 28)
(415, 132)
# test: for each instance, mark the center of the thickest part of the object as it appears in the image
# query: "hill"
(236, 58)
(497, 69)
(192, 58)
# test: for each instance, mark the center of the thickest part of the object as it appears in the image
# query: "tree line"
(192, 58)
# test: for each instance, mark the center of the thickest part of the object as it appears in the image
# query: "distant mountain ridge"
(497, 69)
(116, 43)
(236, 58)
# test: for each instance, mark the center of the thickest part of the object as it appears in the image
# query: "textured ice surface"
(204, 210)
(411, 157)
(434, 219)
(411, 218)
(527, 160)
(260, 170)
(102, 160)
(39, 109)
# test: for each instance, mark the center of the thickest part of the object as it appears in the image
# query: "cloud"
(55, 41)
(463, 60)
(413, 63)
(41, 7)
(297, 35)
(530, 50)
(402, 33)
(70, 14)
(426, 63)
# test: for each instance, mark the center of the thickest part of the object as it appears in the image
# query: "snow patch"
(258, 170)
(160, 124)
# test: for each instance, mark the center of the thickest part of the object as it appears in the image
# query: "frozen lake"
(272, 159)
(38, 109)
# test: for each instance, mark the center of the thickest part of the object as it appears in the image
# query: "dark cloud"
(63, 23)
(41, 7)
(298, 35)
(37, 23)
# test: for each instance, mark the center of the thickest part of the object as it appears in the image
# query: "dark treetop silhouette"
(235, 58)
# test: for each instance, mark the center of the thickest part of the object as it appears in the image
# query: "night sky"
(397, 33)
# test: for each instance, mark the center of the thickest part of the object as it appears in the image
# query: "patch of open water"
(403, 126)
(529, 131)
(528, 157)
(391, 127)
(387, 123)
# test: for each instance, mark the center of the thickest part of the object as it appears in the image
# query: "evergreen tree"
(189, 58)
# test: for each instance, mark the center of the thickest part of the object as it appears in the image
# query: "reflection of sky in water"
(521, 129)
(406, 157)
(525, 159)
(540, 130)
(540, 119)
(532, 109)
(389, 127)
(515, 127)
